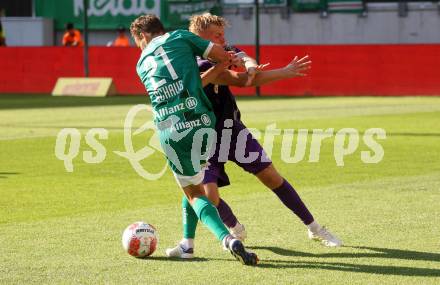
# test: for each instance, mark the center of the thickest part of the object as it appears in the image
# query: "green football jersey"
(168, 69)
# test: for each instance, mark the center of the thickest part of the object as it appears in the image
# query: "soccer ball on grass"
(140, 239)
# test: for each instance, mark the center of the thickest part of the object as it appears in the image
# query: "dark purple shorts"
(215, 173)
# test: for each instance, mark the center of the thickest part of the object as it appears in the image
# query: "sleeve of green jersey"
(200, 47)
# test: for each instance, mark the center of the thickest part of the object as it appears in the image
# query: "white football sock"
(237, 225)
(187, 243)
(226, 240)
(314, 227)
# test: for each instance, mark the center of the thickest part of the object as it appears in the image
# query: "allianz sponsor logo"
(163, 112)
(189, 104)
(117, 7)
(193, 123)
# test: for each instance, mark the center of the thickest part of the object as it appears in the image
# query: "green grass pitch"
(65, 228)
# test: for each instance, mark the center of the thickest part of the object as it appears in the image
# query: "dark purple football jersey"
(222, 100)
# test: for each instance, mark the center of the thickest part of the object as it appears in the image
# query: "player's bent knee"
(193, 191)
(270, 177)
(211, 190)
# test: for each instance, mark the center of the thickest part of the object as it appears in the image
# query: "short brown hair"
(149, 23)
(199, 23)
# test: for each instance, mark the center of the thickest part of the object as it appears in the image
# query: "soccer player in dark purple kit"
(215, 79)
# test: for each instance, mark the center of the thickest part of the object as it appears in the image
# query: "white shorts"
(184, 181)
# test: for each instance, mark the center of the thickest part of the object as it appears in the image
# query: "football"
(140, 239)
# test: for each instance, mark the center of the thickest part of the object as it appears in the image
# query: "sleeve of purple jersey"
(236, 49)
(203, 64)
(233, 48)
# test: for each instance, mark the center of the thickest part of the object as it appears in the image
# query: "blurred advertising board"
(268, 3)
(110, 14)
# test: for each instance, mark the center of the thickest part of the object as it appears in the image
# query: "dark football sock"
(225, 212)
(291, 200)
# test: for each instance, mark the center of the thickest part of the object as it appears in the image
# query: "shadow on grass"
(175, 259)
(352, 267)
(333, 266)
(46, 101)
(376, 269)
(337, 266)
(7, 174)
(377, 253)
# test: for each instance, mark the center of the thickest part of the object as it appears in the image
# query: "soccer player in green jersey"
(183, 116)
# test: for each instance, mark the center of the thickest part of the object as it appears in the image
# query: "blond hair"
(201, 22)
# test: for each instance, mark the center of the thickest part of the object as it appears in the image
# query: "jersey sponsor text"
(168, 91)
(170, 110)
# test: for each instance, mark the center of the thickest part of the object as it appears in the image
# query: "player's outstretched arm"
(297, 67)
(224, 77)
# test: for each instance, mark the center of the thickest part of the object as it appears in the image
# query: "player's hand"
(252, 72)
(234, 60)
(298, 67)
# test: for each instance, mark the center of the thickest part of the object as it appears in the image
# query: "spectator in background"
(2, 36)
(122, 40)
(72, 37)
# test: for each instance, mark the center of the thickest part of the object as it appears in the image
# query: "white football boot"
(180, 251)
(325, 236)
(238, 232)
